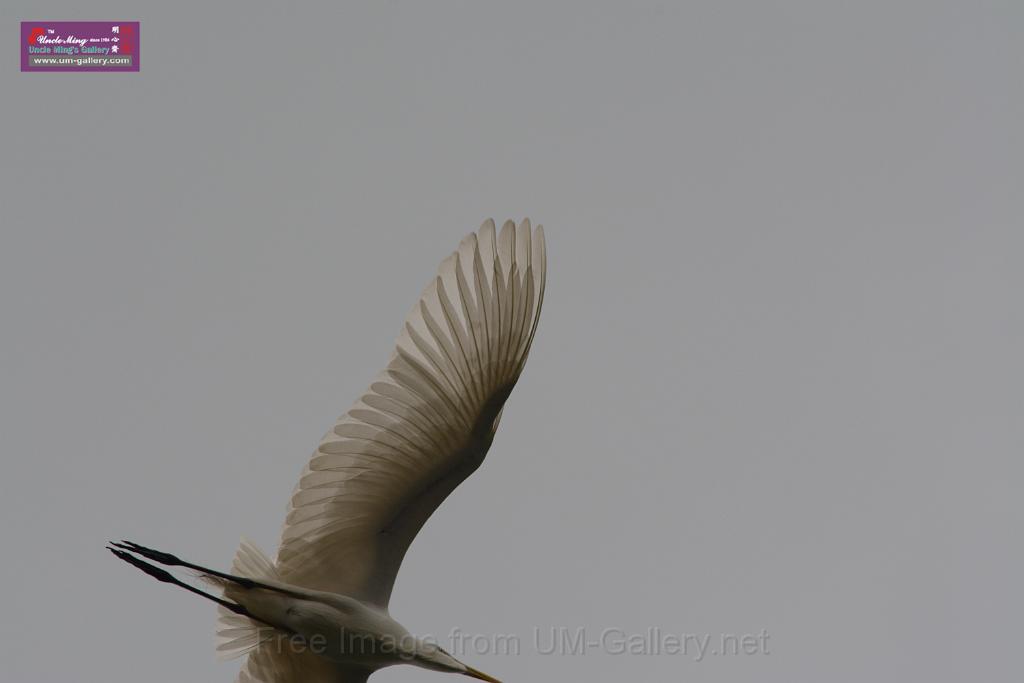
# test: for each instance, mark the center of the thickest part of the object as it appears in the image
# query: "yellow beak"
(480, 675)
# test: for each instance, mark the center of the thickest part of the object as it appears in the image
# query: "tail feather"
(237, 634)
(253, 563)
(238, 630)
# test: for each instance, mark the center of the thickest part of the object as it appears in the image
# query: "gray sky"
(778, 378)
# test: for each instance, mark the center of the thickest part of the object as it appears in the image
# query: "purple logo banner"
(79, 46)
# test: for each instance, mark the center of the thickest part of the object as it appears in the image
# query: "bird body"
(338, 628)
(318, 612)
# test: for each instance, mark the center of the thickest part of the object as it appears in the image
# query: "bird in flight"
(318, 613)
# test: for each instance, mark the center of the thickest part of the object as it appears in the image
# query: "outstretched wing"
(424, 425)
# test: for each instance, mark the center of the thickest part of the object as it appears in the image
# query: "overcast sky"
(777, 386)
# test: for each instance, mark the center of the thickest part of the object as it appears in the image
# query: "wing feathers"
(424, 424)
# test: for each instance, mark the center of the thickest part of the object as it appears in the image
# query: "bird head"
(431, 656)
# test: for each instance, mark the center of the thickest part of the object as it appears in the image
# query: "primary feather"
(424, 425)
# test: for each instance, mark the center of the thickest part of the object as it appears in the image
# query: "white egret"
(318, 613)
